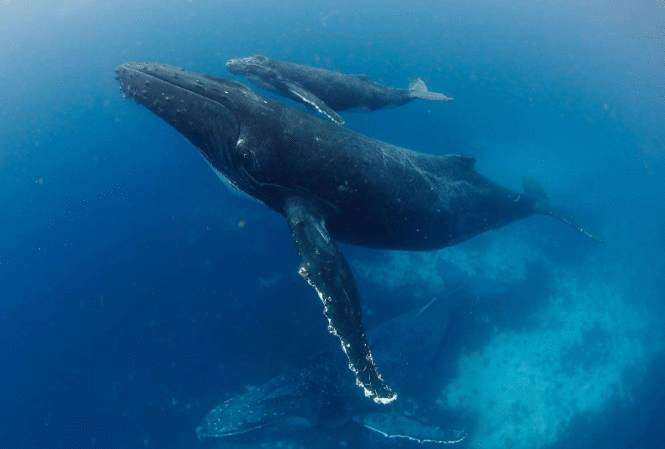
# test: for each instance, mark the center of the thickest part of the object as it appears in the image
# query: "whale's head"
(258, 68)
(264, 409)
(206, 110)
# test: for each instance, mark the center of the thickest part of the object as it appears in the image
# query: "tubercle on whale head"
(257, 65)
(206, 110)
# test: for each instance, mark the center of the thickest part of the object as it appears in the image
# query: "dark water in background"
(132, 301)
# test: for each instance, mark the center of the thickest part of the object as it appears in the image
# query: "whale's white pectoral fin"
(394, 425)
(312, 100)
(324, 268)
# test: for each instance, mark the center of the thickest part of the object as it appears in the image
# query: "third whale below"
(330, 184)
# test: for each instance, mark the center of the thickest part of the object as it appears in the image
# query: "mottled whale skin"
(331, 184)
(327, 91)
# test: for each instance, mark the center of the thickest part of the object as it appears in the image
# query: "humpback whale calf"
(327, 91)
(331, 184)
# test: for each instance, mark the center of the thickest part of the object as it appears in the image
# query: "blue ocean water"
(137, 292)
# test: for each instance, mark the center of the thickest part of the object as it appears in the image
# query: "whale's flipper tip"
(418, 89)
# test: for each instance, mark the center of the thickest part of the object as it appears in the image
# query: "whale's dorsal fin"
(448, 164)
(362, 76)
(312, 100)
(324, 267)
(460, 161)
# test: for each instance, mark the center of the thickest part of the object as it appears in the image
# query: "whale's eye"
(247, 159)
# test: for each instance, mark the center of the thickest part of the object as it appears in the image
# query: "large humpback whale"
(331, 184)
(327, 91)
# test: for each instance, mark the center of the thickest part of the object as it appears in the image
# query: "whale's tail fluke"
(534, 190)
(418, 89)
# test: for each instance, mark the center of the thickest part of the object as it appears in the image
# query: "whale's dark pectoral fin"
(324, 267)
(312, 100)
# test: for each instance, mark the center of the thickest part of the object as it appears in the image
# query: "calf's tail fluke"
(542, 206)
(418, 89)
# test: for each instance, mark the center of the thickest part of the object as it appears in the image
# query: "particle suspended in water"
(242, 223)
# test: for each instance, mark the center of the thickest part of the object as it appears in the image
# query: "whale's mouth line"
(243, 63)
(170, 83)
(232, 433)
(251, 65)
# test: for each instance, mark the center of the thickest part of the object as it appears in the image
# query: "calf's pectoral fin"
(324, 268)
(312, 100)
